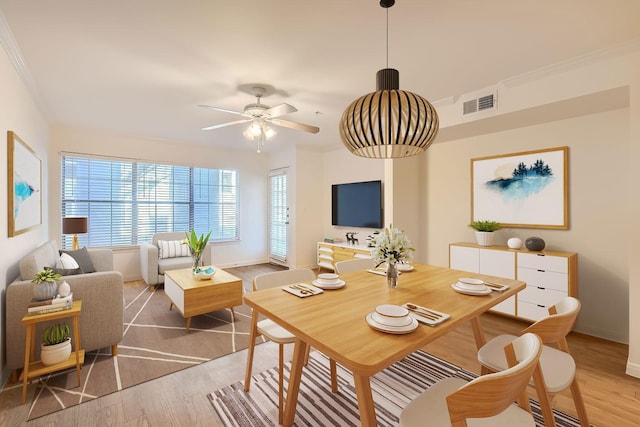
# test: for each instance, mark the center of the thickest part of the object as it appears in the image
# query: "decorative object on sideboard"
(351, 239)
(389, 122)
(64, 289)
(75, 225)
(56, 344)
(197, 246)
(45, 286)
(514, 243)
(484, 231)
(392, 246)
(534, 244)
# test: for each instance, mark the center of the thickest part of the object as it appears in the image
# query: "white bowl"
(392, 315)
(470, 283)
(328, 278)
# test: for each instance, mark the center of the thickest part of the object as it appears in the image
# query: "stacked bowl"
(391, 318)
(471, 286)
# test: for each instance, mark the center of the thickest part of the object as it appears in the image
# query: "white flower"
(392, 246)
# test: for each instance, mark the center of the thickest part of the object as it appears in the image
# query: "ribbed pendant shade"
(389, 122)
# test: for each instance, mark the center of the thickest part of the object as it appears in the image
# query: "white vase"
(56, 353)
(514, 243)
(484, 238)
(64, 289)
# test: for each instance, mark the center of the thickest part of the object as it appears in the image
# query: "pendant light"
(389, 122)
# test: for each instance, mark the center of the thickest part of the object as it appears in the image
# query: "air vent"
(483, 103)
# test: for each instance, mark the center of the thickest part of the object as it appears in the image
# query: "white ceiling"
(140, 67)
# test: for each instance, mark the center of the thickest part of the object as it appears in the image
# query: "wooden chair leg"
(280, 382)
(579, 402)
(114, 350)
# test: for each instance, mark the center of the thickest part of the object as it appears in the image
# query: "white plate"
(381, 320)
(391, 329)
(404, 267)
(339, 284)
(474, 288)
(470, 281)
(456, 288)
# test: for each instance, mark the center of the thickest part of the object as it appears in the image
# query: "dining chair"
(276, 333)
(488, 399)
(349, 265)
(557, 364)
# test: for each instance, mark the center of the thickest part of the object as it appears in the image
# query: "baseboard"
(633, 369)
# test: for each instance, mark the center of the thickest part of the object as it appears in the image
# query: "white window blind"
(127, 201)
(278, 217)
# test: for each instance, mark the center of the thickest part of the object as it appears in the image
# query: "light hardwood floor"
(612, 398)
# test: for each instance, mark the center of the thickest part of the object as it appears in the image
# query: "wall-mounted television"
(357, 204)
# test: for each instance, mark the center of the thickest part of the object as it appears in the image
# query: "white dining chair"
(276, 333)
(349, 265)
(557, 364)
(487, 399)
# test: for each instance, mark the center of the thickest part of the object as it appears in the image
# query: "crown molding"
(15, 56)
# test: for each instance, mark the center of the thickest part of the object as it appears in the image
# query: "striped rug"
(392, 390)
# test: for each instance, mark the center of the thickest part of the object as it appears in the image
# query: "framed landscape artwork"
(24, 186)
(524, 190)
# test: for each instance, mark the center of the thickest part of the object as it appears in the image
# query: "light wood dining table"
(334, 322)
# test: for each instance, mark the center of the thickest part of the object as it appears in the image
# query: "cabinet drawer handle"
(542, 271)
(541, 288)
(541, 306)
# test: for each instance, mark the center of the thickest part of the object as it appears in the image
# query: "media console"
(330, 253)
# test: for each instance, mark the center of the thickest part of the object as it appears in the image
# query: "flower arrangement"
(392, 246)
(196, 246)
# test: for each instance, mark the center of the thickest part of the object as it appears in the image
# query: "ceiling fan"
(260, 116)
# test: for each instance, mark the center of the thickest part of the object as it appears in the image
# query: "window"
(278, 217)
(127, 201)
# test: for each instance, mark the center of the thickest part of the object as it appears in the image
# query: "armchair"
(152, 267)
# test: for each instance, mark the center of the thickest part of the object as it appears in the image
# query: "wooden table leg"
(188, 323)
(27, 357)
(233, 314)
(365, 400)
(76, 344)
(294, 382)
(478, 332)
(253, 331)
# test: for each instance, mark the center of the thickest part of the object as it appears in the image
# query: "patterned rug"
(392, 389)
(155, 343)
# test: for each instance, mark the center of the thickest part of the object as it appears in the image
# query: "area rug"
(392, 389)
(155, 343)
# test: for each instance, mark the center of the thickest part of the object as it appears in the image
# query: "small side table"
(36, 368)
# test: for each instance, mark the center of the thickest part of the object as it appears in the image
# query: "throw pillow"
(83, 259)
(172, 249)
(66, 265)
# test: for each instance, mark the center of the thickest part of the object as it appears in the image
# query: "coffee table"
(193, 297)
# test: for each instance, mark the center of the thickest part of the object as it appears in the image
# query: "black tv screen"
(357, 204)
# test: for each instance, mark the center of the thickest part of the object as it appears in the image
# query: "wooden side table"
(37, 368)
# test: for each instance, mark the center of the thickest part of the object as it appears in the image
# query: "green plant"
(196, 246)
(55, 334)
(46, 275)
(485, 226)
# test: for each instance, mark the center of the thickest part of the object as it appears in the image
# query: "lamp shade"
(389, 122)
(74, 225)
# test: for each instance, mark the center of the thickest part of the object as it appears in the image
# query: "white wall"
(252, 169)
(19, 114)
(598, 200)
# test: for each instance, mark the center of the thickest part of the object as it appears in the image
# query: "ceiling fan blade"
(224, 110)
(280, 110)
(295, 125)
(237, 122)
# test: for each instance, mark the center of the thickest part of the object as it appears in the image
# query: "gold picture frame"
(522, 190)
(24, 186)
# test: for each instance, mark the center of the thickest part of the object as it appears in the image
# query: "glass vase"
(392, 275)
(196, 262)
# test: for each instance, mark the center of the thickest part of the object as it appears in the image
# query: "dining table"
(334, 322)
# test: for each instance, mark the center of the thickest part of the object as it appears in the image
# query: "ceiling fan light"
(269, 132)
(247, 134)
(255, 129)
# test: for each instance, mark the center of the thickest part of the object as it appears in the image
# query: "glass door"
(278, 216)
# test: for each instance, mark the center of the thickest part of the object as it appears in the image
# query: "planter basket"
(56, 353)
(484, 238)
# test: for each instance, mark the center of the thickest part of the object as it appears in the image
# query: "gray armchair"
(152, 267)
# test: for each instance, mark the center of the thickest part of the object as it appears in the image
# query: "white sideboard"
(550, 275)
(330, 253)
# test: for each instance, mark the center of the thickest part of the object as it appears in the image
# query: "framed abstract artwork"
(24, 189)
(523, 190)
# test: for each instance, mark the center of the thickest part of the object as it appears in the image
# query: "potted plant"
(45, 284)
(484, 231)
(196, 247)
(56, 344)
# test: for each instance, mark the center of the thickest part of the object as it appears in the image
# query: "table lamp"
(75, 226)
